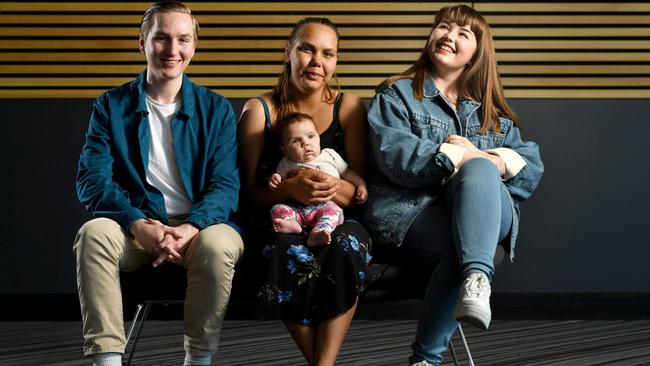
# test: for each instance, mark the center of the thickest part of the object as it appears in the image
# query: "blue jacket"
(406, 164)
(111, 181)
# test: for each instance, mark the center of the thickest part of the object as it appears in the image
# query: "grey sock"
(191, 360)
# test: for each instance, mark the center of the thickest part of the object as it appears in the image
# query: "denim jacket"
(407, 167)
(111, 181)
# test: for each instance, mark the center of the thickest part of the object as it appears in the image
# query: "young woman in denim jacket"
(448, 170)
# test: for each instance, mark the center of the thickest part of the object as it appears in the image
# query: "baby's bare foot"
(288, 226)
(317, 238)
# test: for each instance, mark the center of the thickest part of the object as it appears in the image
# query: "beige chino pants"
(103, 249)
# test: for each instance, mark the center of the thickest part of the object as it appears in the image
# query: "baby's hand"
(274, 181)
(361, 195)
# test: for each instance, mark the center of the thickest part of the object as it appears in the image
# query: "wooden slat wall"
(77, 49)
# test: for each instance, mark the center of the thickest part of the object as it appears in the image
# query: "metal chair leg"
(462, 337)
(453, 353)
(133, 322)
(147, 306)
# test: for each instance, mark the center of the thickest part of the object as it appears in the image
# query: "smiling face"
(451, 47)
(313, 56)
(168, 46)
(300, 141)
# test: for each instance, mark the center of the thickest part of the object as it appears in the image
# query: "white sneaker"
(474, 303)
(421, 363)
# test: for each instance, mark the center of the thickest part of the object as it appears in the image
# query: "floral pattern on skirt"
(310, 284)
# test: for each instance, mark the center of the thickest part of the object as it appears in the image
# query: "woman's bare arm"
(352, 116)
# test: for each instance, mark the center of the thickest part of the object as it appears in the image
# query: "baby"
(300, 144)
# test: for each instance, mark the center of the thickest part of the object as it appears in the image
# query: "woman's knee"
(479, 172)
(479, 167)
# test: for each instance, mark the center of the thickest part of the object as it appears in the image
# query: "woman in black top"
(315, 289)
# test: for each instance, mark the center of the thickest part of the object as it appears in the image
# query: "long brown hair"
(479, 81)
(281, 93)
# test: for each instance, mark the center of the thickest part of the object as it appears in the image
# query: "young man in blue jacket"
(159, 173)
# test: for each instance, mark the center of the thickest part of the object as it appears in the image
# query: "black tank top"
(331, 138)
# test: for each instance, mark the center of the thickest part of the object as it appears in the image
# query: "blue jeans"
(460, 230)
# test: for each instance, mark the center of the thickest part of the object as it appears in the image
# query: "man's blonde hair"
(166, 7)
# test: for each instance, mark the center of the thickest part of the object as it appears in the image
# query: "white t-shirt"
(329, 161)
(162, 171)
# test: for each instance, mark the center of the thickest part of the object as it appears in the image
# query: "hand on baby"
(312, 186)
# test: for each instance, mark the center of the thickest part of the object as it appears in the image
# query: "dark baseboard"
(519, 306)
(39, 307)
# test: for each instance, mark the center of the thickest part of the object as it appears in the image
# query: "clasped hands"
(167, 243)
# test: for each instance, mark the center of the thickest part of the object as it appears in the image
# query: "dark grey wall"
(583, 231)
(40, 144)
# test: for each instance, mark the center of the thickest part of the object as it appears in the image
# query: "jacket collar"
(140, 96)
(431, 91)
(189, 103)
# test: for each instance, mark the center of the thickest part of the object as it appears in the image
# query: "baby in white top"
(300, 144)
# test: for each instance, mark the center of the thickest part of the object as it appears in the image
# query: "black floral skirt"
(310, 284)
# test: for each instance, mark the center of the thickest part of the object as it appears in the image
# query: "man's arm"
(95, 186)
(221, 192)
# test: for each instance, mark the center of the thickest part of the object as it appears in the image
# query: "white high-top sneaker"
(421, 363)
(474, 303)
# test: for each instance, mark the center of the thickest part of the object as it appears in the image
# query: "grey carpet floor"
(369, 342)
